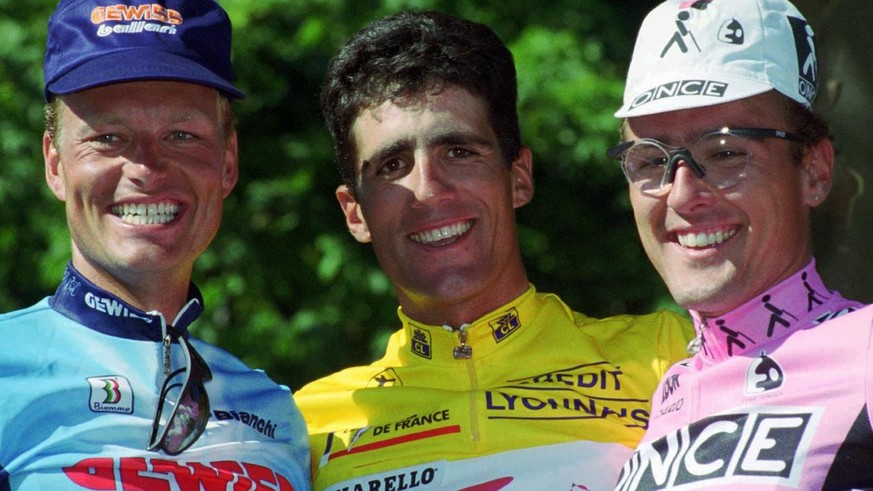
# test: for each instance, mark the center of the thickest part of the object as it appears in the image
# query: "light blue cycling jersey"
(80, 377)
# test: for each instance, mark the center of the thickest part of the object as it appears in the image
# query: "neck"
(456, 312)
(163, 292)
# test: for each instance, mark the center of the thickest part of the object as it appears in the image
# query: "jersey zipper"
(464, 352)
(474, 389)
(166, 348)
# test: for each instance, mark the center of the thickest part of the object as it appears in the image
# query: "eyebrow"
(686, 137)
(453, 137)
(461, 138)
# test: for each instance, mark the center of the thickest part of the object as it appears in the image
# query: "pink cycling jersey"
(776, 398)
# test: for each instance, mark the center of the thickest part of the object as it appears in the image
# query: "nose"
(430, 179)
(147, 163)
(688, 189)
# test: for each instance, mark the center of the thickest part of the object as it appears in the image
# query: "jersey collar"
(443, 344)
(798, 302)
(86, 303)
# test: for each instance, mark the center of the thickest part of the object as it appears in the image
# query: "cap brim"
(674, 92)
(137, 64)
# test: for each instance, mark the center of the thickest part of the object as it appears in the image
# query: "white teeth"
(705, 239)
(441, 234)
(142, 214)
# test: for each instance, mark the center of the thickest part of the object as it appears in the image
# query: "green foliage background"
(287, 288)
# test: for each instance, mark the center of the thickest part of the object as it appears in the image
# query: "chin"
(702, 296)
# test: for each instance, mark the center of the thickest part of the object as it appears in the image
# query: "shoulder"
(661, 319)
(848, 314)
(343, 399)
(350, 379)
(35, 313)
(664, 332)
(236, 376)
(383, 372)
(652, 326)
(34, 326)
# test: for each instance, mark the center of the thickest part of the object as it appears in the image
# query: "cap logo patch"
(731, 32)
(136, 19)
(711, 88)
(806, 60)
(126, 13)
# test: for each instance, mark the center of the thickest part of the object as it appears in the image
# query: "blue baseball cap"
(99, 42)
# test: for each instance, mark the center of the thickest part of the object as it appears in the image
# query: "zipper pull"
(697, 343)
(168, 340)
(462, 352)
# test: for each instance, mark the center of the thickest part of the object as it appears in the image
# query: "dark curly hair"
(409, 54)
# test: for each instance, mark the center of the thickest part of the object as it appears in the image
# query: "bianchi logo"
(764, 445)
(111, 394)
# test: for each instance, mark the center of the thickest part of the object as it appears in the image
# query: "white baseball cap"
(700, 53)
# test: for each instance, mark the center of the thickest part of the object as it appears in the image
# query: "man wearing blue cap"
(105, 388)
(725, 160)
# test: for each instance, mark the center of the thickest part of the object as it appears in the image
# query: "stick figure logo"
(807, 61)
(682, 34)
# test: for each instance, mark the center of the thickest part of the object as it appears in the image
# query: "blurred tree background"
(287, 288)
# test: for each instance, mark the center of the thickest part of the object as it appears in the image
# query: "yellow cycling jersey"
(531, 396)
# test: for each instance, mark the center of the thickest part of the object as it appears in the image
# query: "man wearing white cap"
(103, 385)
(725, 160)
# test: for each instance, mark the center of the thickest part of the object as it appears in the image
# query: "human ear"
(355, 221)
(818, 172)
(54, 172)
(230, 170)
(521, 174)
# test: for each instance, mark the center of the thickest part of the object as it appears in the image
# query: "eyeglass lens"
(184, 399)
(720, 159)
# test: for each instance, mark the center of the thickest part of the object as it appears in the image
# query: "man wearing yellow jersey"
(489, 384)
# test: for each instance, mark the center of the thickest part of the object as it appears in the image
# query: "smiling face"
(716, 249)
(143, 168)
(436, 199)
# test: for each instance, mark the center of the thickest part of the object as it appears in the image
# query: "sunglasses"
(183, 401)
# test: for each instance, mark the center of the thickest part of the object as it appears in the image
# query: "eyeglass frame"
(196, 373)
(677, 153)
